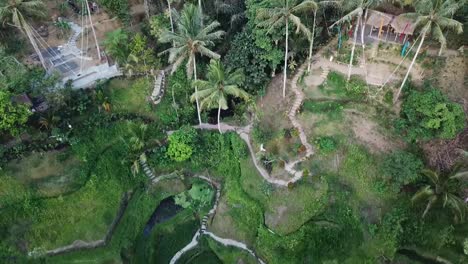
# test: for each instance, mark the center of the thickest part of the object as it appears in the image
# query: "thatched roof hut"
(403, 24)
(377, 19)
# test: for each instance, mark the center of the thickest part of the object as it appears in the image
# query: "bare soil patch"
(367, 132)
(453, 77)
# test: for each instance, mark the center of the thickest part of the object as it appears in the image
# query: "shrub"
(196, 198)
(401, 168)
(325, 144)
(261, 133)
(181, 143)
(245, 54)
(14, 116)
(430, 114)
(118, 8)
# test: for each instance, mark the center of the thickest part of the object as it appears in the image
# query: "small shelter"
(388, 27)
(403, 26)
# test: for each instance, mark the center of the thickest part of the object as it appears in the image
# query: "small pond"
(165, 211)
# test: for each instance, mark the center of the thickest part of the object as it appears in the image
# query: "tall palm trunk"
(410, 67)
(200, 7)
(196, 89)
(30, 36)
(354, 46)
(145, 4)
(219, 119)
(311, 42)
(363, 28)
(170, 15)
(285, 59)
(94, 32)
(174, 104)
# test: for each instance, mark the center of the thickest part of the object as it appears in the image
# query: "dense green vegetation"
(371, 192)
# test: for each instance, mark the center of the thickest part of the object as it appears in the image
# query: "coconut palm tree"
(433, 16)
(311, 41)
(443, 188)
(280, 14)
(190, 38)
(137, 143)
(355, 9)
(17, 12)
(219, 85)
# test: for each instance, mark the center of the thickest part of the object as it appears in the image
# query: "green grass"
(130, 96)
(344, 54)
(285, 210)
(230, 254)
(333, 109)
(47, 173)
(138, 212)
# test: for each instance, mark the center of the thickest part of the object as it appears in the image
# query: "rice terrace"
(257, 131)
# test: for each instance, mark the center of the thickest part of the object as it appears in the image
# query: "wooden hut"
(388, 27)
(402, 27)
(379, 22)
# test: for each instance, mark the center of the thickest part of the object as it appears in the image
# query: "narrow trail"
(202, 231)
(244, 133)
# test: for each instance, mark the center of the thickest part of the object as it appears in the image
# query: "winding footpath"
(244, 133)
(202, 231)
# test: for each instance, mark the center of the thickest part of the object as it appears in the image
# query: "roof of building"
(376, 18)
(403, 24)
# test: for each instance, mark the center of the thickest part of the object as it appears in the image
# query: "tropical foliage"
(219, 84)
(181, 143)
(430, 114)
(191, 37)
(281, 14)
(12, 115)
(402, 168)
(432, 17)
(444, 189)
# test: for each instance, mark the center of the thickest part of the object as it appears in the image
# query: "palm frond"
(439, 36)
(304, 6)
(299, 26)
(423, 193)
(235, 91)
(429, 205)
(460, 175)
(348, 17)
(447, 23)
(207, 52)
(432, 175)
(457, 205)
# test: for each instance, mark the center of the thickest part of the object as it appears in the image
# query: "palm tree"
(281, 14)
(443, 188)
(219, 84)
(235, 9)
(356, 9)
(433, 16)
(190, 38)
(319, 4)
(137, 143)
(17, 12)
(117, 45)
